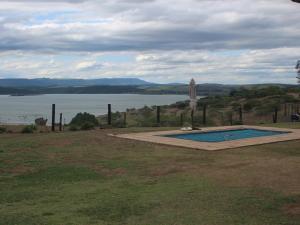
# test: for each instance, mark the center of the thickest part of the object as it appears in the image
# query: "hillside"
(257, 105)
(202, 89)
(45, 82)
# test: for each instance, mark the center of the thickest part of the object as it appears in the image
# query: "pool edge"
(153, 137)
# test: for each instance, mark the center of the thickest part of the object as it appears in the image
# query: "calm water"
(25, 109)
(228, 135)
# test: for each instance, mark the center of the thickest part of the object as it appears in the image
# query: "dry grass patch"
(292, 209)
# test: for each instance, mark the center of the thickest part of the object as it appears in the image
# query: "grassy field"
(90, 178)
(283, 125)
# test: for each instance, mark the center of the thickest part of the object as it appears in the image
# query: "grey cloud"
(164, 27)
(44, 1)
(178, 38)
(180, 30)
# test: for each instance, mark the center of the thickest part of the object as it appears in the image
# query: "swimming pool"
(226, 135)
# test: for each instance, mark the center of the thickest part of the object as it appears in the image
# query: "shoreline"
(25, 109)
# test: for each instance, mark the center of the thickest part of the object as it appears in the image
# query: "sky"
(164, 41)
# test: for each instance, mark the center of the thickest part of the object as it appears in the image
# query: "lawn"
(285, 125)
(91, 178)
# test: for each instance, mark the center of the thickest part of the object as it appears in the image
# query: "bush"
(84, 120)
(87, 126)
(29, 129)
(290, 99)
(251, 104)
(257, 92)
(73, 128)
(2, 130)
(235, 123)
(267, 108)
(180, 105)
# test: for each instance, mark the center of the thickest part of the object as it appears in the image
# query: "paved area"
(158, 138)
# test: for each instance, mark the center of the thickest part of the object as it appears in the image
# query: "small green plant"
(2, 130)
(29, 129)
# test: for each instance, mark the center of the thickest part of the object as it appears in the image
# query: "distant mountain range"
(19, 87)
(46, 82)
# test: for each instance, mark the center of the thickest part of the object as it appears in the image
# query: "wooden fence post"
(60, 122)
(204, 114)
(231, 119)
(192, 117)
(53, 117)
(125, 119)
(241, 114)
(109, 114)
(158, 115)
(181, 119)
(275, 115)
(285, 110)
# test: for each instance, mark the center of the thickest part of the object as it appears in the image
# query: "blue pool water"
(228, 135)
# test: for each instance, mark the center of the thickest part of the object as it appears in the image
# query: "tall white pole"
(193, 95)
(298, 71)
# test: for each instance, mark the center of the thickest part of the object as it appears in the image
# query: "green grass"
(295, 125)
(91, 178)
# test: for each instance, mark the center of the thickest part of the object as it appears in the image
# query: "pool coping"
(159, 137)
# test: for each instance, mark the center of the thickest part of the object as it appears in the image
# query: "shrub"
(290, 99)
(87, 126)
(251, 104)
(119, 123)
(29, 129)
(2, 130)
(73, 128)
(237, 123)
(257, 92)
(185, 124)
(180, 105)
(84, 120)
(267, 108)
(235, 106)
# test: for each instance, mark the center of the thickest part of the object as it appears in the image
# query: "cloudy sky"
(214, 41)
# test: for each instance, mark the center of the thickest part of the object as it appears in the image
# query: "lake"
(25, 109)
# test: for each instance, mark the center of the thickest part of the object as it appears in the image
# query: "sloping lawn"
(295, 125)
(91, 178)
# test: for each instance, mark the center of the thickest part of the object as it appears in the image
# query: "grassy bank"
(90, 178)
(248, 106)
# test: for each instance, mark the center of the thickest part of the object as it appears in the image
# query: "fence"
(205, 115)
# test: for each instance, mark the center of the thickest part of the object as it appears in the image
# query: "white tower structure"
(193, 95)
(298, 71)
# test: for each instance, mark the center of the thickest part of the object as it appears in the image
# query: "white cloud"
(85, 65)
(89, 66)
(232, 41)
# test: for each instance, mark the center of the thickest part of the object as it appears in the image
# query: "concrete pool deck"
(159, 138)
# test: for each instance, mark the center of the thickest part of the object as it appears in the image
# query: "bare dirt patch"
(58, 143)
(17, 170)
(292, 209)
(172, 169)
(109, 172)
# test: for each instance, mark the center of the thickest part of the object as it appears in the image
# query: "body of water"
(25, 109)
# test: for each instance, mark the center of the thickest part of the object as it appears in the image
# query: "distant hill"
(46, 82)
(258, 104)
(148, 88)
